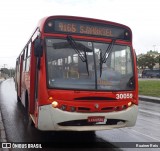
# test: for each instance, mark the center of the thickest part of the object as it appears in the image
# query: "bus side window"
(28, 57)
(24, 60)
(29, 49)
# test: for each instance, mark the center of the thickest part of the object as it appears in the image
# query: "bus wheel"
(30, 122)
(18, 99)
(26, 102)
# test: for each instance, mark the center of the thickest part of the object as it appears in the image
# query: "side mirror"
(38, 49)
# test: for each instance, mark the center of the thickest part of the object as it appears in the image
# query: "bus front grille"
(85, 122)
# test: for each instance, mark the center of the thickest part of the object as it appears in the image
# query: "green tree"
(146, 61)
(5, 71)
(158, 60)
(151, 52)
(150, 61)
(141, 62)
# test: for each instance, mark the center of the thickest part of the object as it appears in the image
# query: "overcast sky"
(18, 19)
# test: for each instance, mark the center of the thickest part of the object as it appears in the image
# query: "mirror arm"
(38, 48)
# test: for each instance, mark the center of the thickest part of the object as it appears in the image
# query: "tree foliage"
(150, 61)
(141, 62)
(157, 59)
(9, 72)
(146, 61)
(5, 70)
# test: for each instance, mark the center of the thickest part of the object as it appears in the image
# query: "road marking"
(145, 135)
(148, 120)
(149, 112)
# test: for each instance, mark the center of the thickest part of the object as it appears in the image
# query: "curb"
(2, 130)
(3, 138)
(149, 99)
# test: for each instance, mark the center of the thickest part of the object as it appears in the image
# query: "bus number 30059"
(124, 96)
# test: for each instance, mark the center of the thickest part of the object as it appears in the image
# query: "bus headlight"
(54, 104)
(129, 104)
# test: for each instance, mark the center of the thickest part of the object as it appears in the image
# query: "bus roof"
(43, 20)
(99, 24)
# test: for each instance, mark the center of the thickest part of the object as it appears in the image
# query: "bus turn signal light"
(50, 98)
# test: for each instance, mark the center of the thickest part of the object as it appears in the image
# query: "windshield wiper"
(104, 58)
(82, 56)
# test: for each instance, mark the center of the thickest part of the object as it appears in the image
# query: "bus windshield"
(78, 65)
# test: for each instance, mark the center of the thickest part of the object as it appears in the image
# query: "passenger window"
(28, 57)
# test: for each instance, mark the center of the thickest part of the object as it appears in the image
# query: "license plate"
(95, 119)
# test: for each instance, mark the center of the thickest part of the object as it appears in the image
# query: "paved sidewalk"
(3, 137)
(2, 130)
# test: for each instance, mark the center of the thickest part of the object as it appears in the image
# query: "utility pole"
(5, 65)
(154, 47)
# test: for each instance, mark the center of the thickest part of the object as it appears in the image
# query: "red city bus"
(78, 74)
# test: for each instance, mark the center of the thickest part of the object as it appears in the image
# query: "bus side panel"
(16, 75)
(20, 76)
(27, 82)
(23, 88)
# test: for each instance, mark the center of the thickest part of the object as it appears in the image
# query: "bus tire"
(26, 102)
(30, 122)
(18, 98)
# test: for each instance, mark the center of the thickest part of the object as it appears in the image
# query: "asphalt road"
(18, 130)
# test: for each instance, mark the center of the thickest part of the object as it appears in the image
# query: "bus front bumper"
(50, 118)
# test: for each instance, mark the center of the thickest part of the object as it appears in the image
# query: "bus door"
(38, 54)
(33, 74)
(34, 80)
(20, 76)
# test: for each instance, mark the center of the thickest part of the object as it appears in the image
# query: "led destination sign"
(86, 28)
(83, 29)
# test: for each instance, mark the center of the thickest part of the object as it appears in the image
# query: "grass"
(149, 88)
